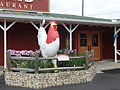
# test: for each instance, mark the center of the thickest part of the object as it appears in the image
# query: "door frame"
(78, 43)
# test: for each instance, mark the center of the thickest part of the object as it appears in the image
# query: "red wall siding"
(22, 36)
(108, 40)
(1, 47)
(118, 44)
(63, 36)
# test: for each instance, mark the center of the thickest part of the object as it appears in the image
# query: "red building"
(19, 31)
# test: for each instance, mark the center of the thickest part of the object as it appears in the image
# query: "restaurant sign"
(25, 5)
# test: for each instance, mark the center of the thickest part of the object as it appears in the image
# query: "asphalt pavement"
(105, 79)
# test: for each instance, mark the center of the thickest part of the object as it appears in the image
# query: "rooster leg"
(54, 61)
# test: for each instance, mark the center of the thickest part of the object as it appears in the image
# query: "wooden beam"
(42, 24)
(2, 27)
(8, 61)
(86, 59)
(70, 30)
(118, 53)
(23, 58)
(61, 68)
(23, 69)
(10, 25)
(48, 69)
(41, 58)
(75, 27)
(117, 31)
(66, 27)
(46, 25)
(36, 63)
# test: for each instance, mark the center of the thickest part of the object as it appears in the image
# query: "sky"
(109, 9)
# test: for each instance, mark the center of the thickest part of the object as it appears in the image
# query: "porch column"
(115, 42)
(70, 40)
(70, 30)
(5, 28)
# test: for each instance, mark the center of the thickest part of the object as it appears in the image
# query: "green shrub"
(23, 64)
(46, 64)
(77, 62)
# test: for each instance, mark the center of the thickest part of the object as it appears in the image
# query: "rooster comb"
(52, 21)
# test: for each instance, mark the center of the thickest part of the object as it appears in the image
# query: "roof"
(62, 18)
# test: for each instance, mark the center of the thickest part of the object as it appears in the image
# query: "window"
(83, 39)
(95, 40)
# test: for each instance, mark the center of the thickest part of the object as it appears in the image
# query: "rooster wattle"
(49, 43)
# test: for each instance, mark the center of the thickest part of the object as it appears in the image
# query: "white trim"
(10, 25)
(5, 28)
(68, 20)
(70, 40)
(1, 27)
(34, 25)
(75, 27)
(70, 32)
(40, 24)
(118, 53)
(115, 43)
(117, 31)
(66, 27)
(46, 25)
(5, 48)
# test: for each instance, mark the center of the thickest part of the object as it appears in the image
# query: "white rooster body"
(49, 44)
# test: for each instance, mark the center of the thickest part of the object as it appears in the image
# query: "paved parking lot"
(107, 78)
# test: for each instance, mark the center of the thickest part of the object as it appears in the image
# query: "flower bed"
(44, 63)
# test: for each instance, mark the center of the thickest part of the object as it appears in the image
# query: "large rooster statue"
(49, 43)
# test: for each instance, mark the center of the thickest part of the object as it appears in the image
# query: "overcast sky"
(96, 8)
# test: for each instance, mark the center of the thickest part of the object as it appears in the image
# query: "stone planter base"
(45, 80)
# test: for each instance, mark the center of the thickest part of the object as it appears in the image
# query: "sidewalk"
(106, 65)
(107, 78)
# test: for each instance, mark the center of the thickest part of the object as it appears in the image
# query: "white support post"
(40, 24)
(5, 28)
(70, 30)
(115, 45)
(115, 42)
(66, 27)
(5, 45)
(46, 25)
(70, 40)
(75, 27)
(34, 25)
(118, 31)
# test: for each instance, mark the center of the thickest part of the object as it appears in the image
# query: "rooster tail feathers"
(42, 36)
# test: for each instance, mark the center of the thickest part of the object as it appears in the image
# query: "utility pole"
(82, 7)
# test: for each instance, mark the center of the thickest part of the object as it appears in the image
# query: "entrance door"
(89, 40)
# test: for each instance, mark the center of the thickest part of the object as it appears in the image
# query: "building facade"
(19, 31)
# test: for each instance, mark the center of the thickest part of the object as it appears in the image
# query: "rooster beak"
(54, 24)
